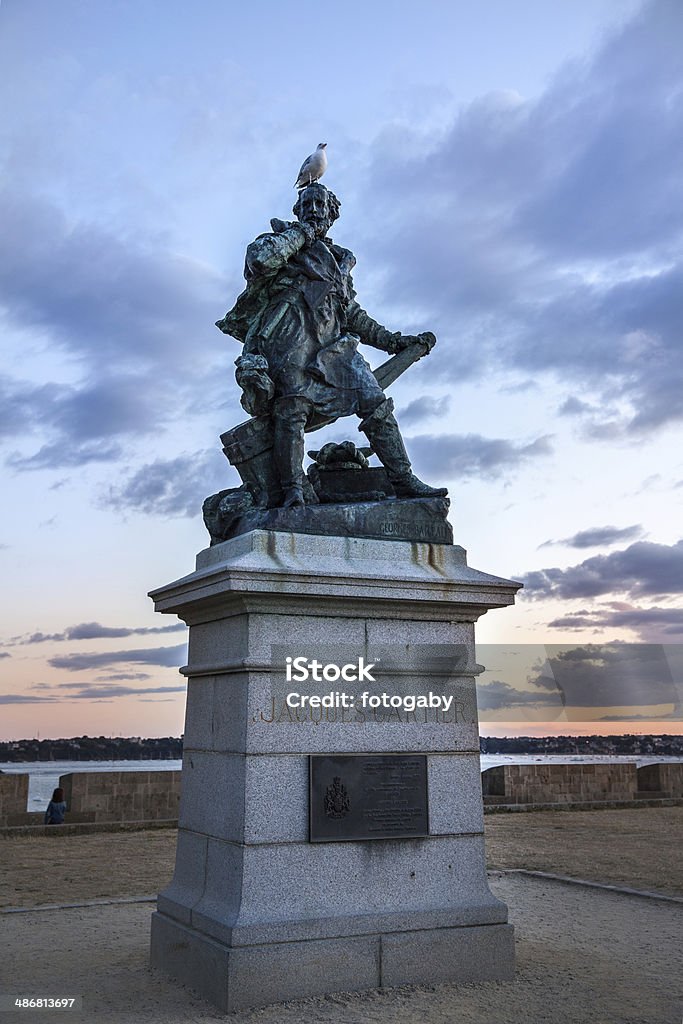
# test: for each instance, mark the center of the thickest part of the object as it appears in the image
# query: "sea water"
(44, 775)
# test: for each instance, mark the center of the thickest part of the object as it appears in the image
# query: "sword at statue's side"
(392, 369)
(388, 372)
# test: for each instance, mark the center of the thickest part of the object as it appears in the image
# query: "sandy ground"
(583, 957)
(66, 869)
(638, 848)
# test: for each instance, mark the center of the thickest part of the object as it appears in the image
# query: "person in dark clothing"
(56, 809)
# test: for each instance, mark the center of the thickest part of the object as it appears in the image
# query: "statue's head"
(318, 207)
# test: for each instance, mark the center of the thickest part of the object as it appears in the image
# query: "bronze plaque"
(368, 796)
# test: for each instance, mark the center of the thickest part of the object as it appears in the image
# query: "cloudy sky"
(510, 177)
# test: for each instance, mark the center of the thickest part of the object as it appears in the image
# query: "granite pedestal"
(256, 913)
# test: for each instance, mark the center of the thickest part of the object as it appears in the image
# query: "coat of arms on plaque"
(337, 803)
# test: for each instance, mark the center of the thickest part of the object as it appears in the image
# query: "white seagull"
(313, 167)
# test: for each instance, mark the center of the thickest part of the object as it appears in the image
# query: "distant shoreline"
(84, 749)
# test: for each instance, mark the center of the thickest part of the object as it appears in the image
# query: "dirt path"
(66, 869)
(638, 848)
(583, 957)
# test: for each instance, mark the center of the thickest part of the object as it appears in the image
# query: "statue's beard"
(320, 227)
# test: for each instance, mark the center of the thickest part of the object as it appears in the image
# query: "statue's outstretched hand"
(426, 341)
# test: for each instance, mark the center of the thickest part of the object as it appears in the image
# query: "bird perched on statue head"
(313, 167)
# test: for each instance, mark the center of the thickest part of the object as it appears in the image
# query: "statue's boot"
(382, 431)
(289, 419)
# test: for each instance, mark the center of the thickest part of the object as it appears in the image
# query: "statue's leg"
(382, 431)
(289, 419)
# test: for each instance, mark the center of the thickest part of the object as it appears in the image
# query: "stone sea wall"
(562, 784)
(135, 797)
(97, 798)
(664, 779)
(121, 796)
(13, 797)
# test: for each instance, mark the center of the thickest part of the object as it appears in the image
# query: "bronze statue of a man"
(300, 324)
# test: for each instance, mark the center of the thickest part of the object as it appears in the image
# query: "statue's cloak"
(300, 318)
